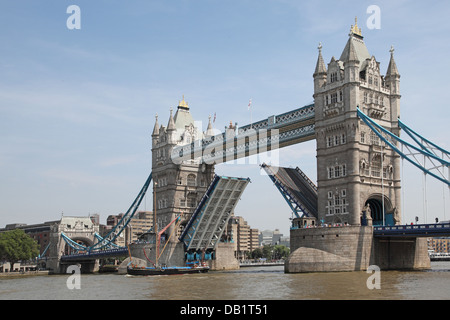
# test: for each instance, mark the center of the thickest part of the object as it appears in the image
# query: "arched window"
(191, 180)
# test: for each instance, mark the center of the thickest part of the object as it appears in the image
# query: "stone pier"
(352, 248)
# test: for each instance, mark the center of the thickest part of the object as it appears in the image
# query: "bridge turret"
(320, 74)
(354, 170)
(392, 81)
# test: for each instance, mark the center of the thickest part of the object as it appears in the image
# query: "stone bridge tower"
(179, 187)
(81, 230)
(358, 177)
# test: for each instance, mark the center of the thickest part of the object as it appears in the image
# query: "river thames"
(252, 283)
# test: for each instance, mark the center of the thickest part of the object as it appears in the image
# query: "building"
(358, 179)
(273, 237)
(242, 236)
(439, 245)
(141, 222)
(178, 187)
(39, 232)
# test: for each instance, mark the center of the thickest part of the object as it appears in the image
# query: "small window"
(337, 171)
(330, 173)
(333, 77)
(337, 140)
(334, 97)
(191, 180)
(330, 141)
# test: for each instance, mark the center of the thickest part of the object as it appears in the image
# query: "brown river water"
(253, 283)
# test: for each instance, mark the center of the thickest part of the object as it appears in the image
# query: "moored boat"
(152, 271)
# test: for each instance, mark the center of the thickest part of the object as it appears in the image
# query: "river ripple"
(259, 283)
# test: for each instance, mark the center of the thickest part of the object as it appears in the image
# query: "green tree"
(16, 245)
(280, 252)
(256, 254)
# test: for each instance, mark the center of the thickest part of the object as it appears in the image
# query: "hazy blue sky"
(77, 107)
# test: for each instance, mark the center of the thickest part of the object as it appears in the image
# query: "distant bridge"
(101, 254)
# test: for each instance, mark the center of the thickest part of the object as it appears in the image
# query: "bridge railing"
(424, 230)
(96, 254)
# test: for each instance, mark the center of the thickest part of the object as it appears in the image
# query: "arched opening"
(376, 206)
(68, 250)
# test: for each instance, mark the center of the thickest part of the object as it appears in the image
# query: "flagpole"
(251, 110)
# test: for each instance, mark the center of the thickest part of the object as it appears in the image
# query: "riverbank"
(17, 274)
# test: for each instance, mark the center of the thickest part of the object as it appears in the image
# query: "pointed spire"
(392, 68)
(156, 127)
(320, 66)
(171, 124)
(209, 130)
(352, 56)
(354, 29)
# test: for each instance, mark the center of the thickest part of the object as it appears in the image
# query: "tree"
(256, 254)
(281, 252)
(16, 245)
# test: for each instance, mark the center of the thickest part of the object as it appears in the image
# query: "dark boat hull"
(165, 271)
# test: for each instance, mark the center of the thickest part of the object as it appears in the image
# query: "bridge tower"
(179, 187)
(81, 230)
(358, 178)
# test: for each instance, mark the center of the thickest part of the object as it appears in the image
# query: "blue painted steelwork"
(414, 230)
(108, 241)
(268, 134)
(425, 144)
(44, 252)
(303, 198)
(207, 224)
(118, 252)
(122, 224)
(378, 130)
(111, 244)
(74, 245)
(191, 227)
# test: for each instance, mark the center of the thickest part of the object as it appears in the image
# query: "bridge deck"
(269, 134)
(209, 220)
(100, 254)
(297, 189)
(416, 230)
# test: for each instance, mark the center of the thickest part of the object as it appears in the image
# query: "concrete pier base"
(174, 255)
(352, 248)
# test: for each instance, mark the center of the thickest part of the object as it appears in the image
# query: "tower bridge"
(355, 122)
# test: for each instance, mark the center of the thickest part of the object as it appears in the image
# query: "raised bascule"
(355, 122)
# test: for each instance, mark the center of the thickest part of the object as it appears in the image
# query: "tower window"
(334, 97)
(329, 141)
(337, 140)
(333, 77)
(337, 204)
(191, 180)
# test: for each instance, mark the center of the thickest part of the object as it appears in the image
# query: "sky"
(77, 106)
